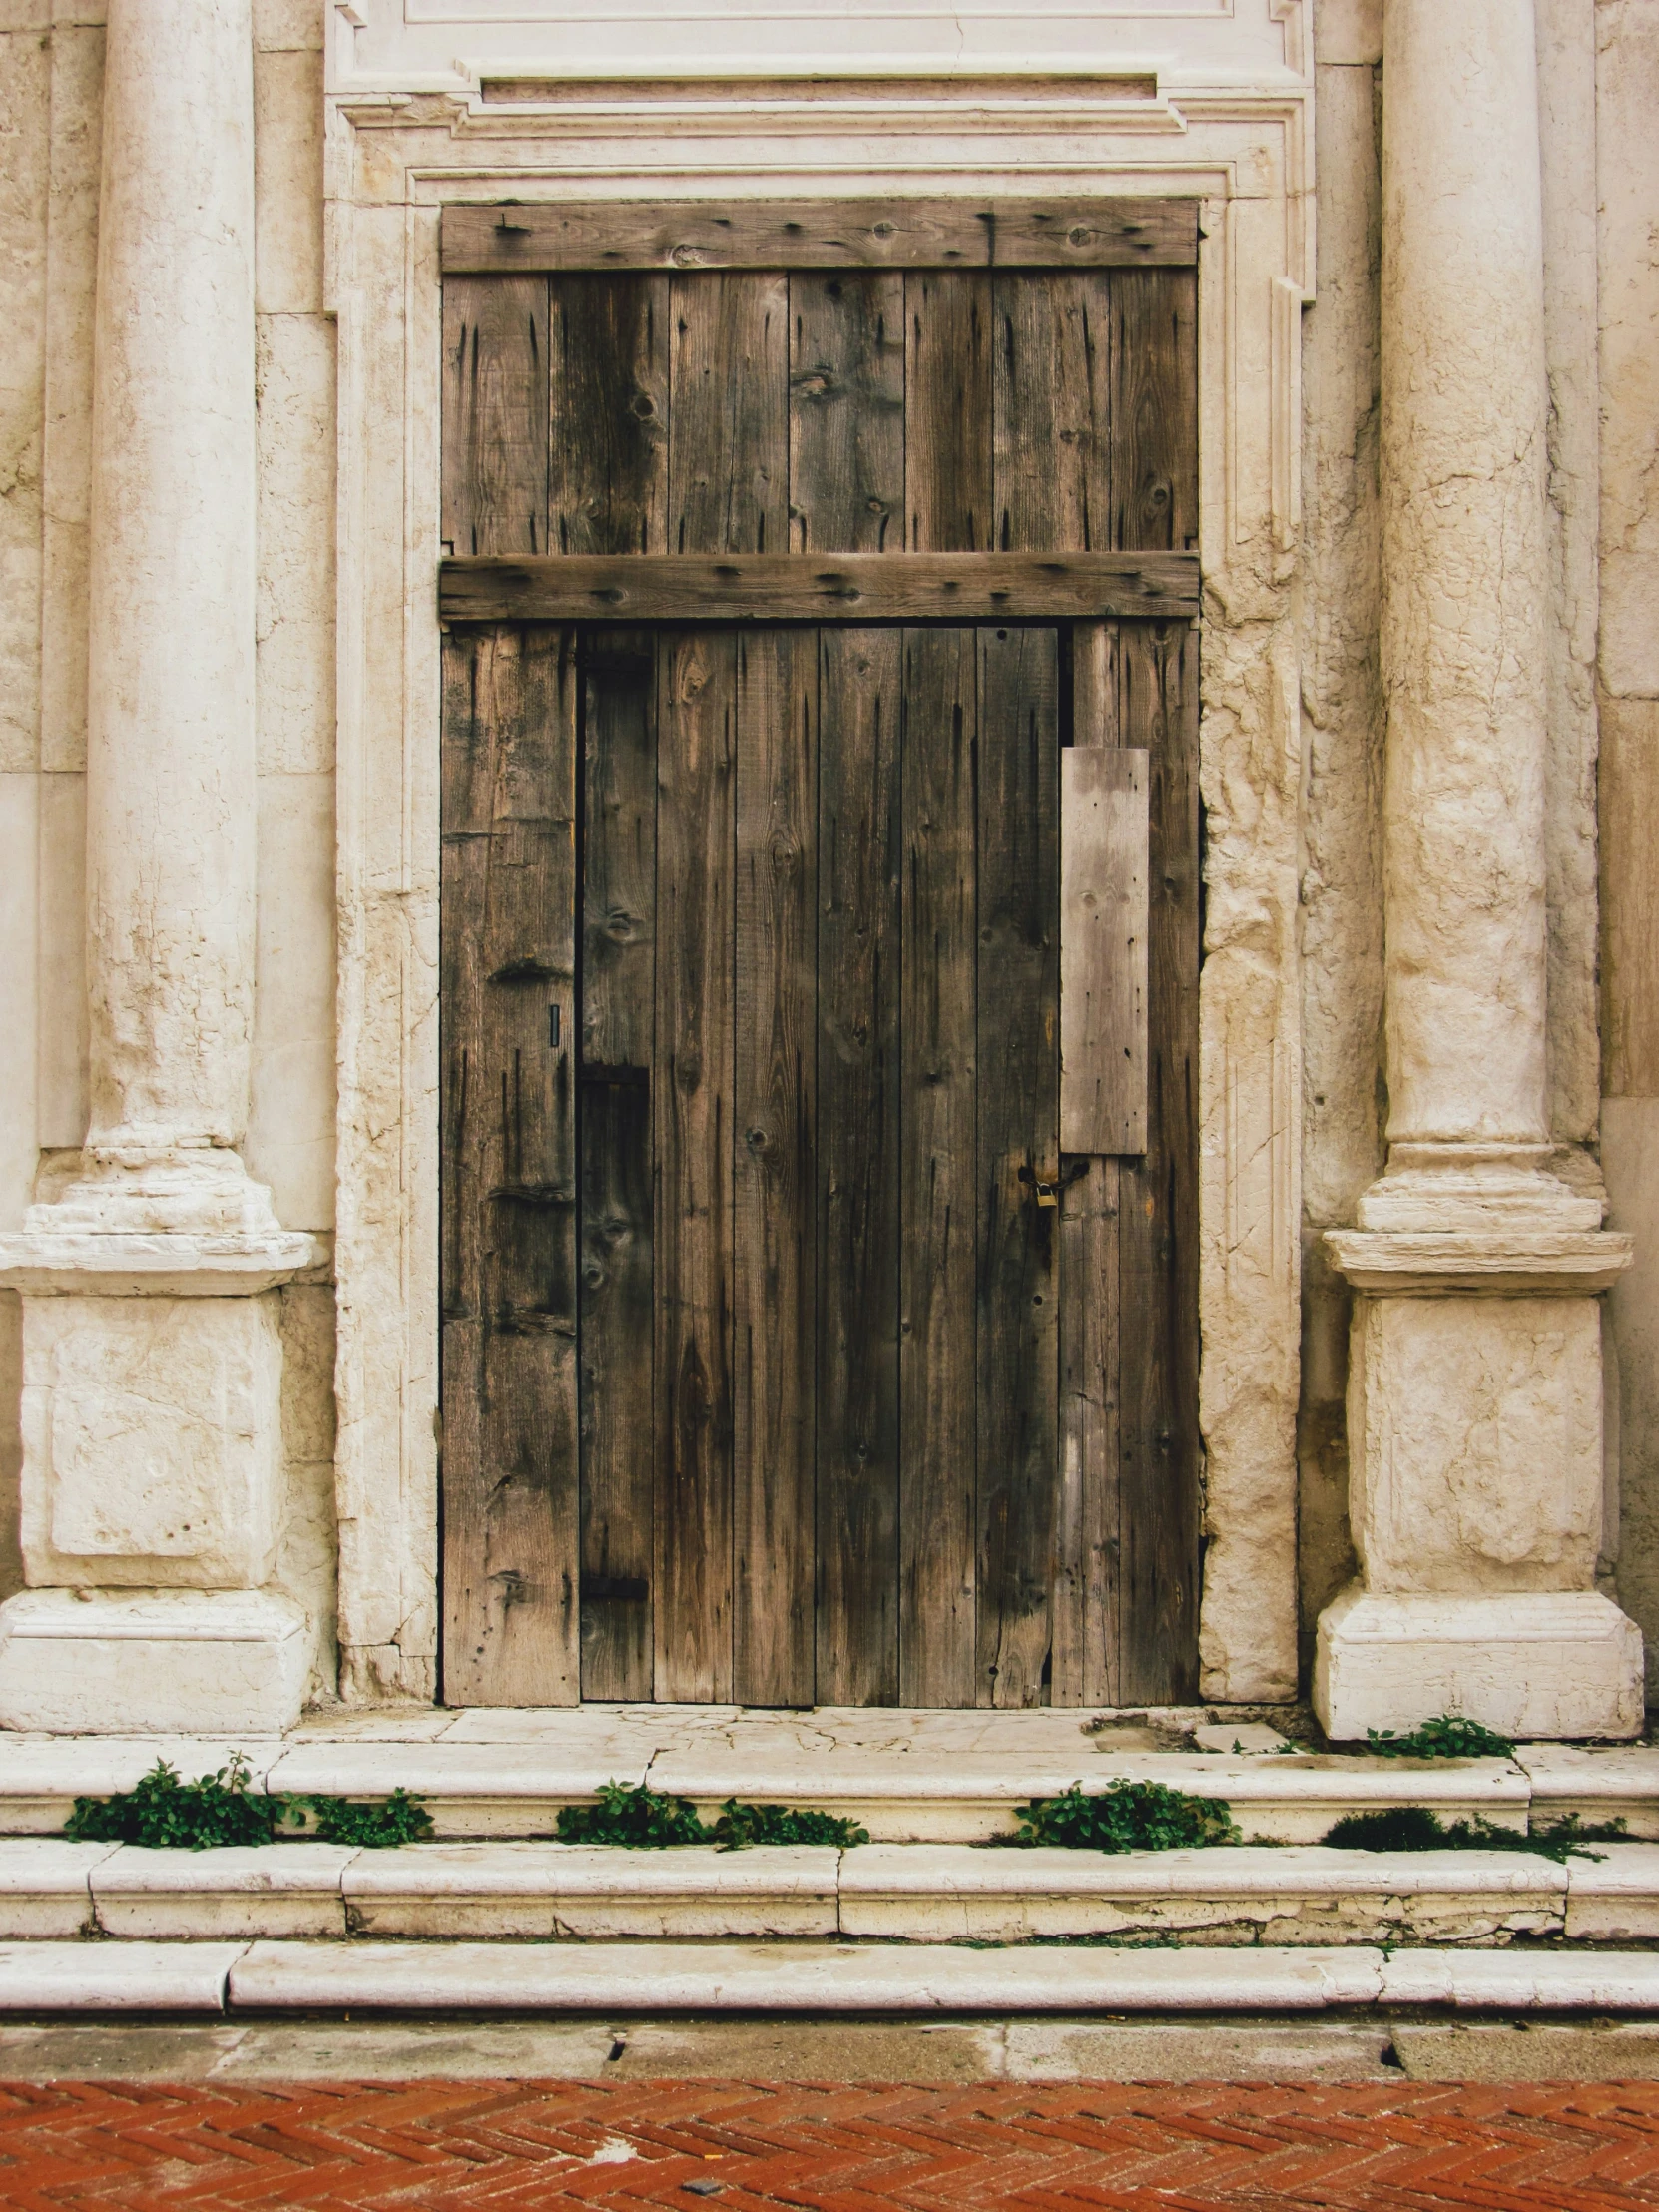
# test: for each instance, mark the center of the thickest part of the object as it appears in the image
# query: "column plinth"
(1474, 1384)
(151, 1354)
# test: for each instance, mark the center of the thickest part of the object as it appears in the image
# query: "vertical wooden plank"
(949, 411)
(1087, 1551)
(1156, 671)
(509, 1350)
(729, 439)
(1103, 928)
(467, 806)
(1019, 1143)
(495, 414)
(1153, 409)
(774, 1174)
(608, 415)
(847, 411)
(618, 1011)
(939, 1398)
(692, 1080)
(1052, 355)
(1155, 705)
(1086, 1670)
(846, 488)
(858, 1076)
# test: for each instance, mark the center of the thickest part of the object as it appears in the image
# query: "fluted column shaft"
(171, 801)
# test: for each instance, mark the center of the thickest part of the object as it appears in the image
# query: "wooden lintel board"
(892, 232)
(870, 587)
(1103, 948)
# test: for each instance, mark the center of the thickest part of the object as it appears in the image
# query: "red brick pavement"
(740, 2146)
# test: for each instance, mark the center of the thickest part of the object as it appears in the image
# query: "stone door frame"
(393, 159)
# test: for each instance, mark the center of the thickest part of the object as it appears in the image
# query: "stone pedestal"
(151, 1481)
(1475, 1389)
(153, 1662)
(1557, 1663)
(1476, 1491)
(152, 1356)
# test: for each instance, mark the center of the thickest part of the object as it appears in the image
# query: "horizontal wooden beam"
(785, 587)
(820, 234)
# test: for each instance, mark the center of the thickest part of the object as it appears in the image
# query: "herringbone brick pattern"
(511, 2146)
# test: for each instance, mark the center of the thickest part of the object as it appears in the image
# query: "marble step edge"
(517, 1788)
(652, 1979)
(920, 1892)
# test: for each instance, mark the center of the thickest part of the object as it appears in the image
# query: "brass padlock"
(1047, 1184)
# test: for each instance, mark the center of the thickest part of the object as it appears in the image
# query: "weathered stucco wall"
(51, 57)
(25, 107)
(1627, 676)
(1342, 719)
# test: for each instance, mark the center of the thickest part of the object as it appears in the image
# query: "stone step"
(1610, 1782)
(907, 1777)
(812, 1978)
(936, 1894)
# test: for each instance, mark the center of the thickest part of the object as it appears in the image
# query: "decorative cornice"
(981, 103)
(1527, 1263)
(92, 1264)
(444, 45)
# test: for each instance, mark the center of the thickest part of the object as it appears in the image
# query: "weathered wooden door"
(820, 955)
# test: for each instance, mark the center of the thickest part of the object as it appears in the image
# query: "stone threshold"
(905, 1776)
(817, 1980)
(930, 1893)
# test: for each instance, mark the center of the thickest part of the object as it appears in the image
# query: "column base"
(156, 1662)
(1555, 1663)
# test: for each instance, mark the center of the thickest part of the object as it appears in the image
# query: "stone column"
(152, 1356)
(1475, 1392)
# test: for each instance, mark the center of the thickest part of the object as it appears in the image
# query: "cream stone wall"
(51, 83)
(25, 107)
(1342, 721)
(1627, 676)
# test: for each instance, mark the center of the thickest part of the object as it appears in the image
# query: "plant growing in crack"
(1125, 1816)
(220, 1810)
(1446, 1736)
(648, 1820)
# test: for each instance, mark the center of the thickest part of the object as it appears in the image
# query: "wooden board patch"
(1103, 948)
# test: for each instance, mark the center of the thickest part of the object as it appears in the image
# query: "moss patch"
(1415, 1828)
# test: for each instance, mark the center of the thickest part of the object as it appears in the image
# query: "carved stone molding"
(1222, 117)
(394, 45)
(1542, 1264)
